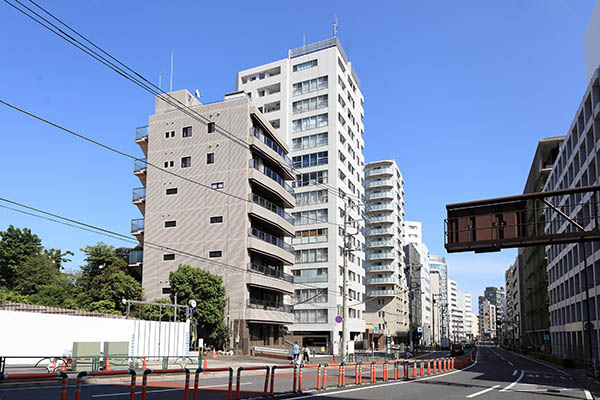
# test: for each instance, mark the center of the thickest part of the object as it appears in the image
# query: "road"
(496, 374)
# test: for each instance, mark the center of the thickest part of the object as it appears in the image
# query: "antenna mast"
(171, 85)
(335, 26)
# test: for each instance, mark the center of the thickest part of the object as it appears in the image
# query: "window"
(215, 253)
(186, 162)
(171, 191)
(310, 316)
(170, 224)
(311, 255)
(166, 290)
(304, 124)
(169, 164)
(311, 178)
(310, 216)
(310, 275)
(310, 160)
(307, 142)
(217, 185)
(169, 134)
(314, 197)
(310, 236)
(314, 103)
(210, 158)
(211, 127)
(304, 65)
(310, 85)
(168, 257)
(187, 131)
(216, 220)
(310, 295)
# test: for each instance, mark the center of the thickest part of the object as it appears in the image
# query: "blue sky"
(458, 93)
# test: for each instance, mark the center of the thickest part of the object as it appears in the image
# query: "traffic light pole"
(345, 288)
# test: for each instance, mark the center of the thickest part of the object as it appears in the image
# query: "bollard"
(144, 365)
(405, 370)
(319, 369)
(385, 372)
(373, 375)
(343, 374)
(106, 364)
(324, 384)
(396, 370)
(435, 365)
(357, 374)
(414, 369)
(201, 370)
(300, 378)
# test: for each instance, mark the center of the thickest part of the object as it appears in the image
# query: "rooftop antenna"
(171, 85)
(198, 94)
(335, 26)
(303, 40)
(160, 79)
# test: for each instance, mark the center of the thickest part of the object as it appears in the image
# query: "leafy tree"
(15, 246)
(208, 291)
(154, 313)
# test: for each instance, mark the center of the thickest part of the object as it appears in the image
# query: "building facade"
(223, 212)
(313, 99)
(513, 306)
(487, 319)
(576, 165)
(438, 267)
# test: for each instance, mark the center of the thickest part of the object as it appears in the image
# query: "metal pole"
(588, 328)
(345, 285)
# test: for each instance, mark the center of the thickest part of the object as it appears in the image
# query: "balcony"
(139, 169)
(265, 177)
(380, 243)
(384, 206)
(387, 194)
(309, 239)
(269, 311)
(381, 293)
(137, 229)
(271, 149)
(141, 138)
(135, 258)
(380, 219)
(384, 255)
(271, 213)
(391, 280)
(270, 277)
(270, 245)
(379, 183)
(379, 231)
(139, 198)
(381, 268)
(310, 278)
(379, 171)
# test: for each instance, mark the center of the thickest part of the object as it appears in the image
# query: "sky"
(458, 93)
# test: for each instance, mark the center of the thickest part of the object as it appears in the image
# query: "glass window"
(217, 185)
(215, 253)
(211, 127)
(187, 131)
(170, 224)
(168, 257)
(186, 162)
(210, 158)
(216, 220)
(171, 191)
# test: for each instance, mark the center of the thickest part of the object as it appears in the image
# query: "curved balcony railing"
(381, 268)
(139, 165)
(137, 225)
(380, 182)
(270, 305)
(267, 237)
(136, 256)
(373, 293)
(270, 270)
(141, 132)
(271, 207)
(390, 280)
(379, 195)
(138, 194)
(380, 256)
(375, 207)
(271, 174)
(380, 243)
(379, 171)
(379, 231)
(380, 219)
(258, 133)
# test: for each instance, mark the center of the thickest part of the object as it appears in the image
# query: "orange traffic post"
(324, 384)
(144, 365)
(385, 372)
(428, 367)
(414, 369)
(422, 368)
(107, 364)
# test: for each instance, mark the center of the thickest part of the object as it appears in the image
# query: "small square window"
(171, 191)
(166, 164)
(166, 135)
(187, 131)
(217, 185)
(168, 257)
(186, 162)
(216, 220)
(211, 127)
(172, 133)
(170, 224)
(210, 158)
(171, 163)
(166, 290)
(215, 254)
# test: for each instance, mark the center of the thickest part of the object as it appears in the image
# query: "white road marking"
(483, 391)
(542, 363)
(162, 390)
(515, 372)
(506, 389)
(588, 395)
(382, 385)
(512, 365)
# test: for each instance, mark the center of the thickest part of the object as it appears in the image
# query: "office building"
(223, 211)
(513, 306)
(468, 311)
(313, 99)
(474, 326)
(487, 319)
(386, 275)
(438, 267)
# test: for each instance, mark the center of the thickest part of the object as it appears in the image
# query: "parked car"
(457, 350)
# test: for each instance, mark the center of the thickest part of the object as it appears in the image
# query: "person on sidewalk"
(295, 352)
(306, 354)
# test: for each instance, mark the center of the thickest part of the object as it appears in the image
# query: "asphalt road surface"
(496, 374)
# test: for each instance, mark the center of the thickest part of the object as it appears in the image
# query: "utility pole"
(345, 286)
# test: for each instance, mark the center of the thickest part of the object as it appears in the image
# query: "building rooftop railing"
(318, 46)
(271, 207)
(141, 132)
(8, 306)
(267, 237)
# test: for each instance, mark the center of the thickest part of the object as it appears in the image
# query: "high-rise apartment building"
(496, 297)
(576, 165)
(468, 311)
(513, 306)
(313, 99)
(456, 308)
(487, 319)
(419, 257)
(387, 287)
(222, 209)
(438, 267)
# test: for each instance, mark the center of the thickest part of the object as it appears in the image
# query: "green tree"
(154, 313)
(208, 291)
(15, 246)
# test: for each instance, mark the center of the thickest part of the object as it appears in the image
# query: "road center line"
(588, 395)
(514, 372)
(483, 391)
(511, 363)
(506, 389)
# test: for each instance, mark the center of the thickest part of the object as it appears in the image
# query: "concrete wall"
(37, 334)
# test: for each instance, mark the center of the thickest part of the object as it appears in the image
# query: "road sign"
(339, 319)
(420, 329)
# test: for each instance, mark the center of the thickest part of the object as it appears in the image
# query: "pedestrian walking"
(295, 352)
(306, 354)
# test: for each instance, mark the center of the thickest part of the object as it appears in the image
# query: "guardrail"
(45, 376)
(84, 374)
